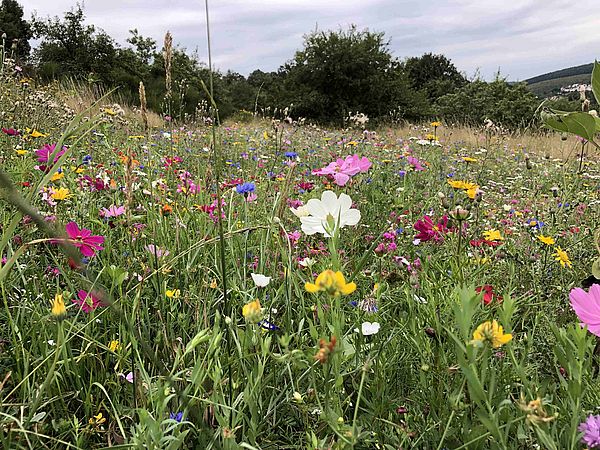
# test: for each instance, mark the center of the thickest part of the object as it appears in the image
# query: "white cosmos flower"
(260, 280)
(369, 328)
(300, 211)
(329, 214)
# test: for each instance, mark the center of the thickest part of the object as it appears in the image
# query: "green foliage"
(344, 72)
(18, 30)
(582, 124)
(509, 105)
(435, 74)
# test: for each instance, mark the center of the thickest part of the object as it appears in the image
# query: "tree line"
(335, 75)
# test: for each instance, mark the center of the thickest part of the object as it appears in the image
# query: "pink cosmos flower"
(587, 307)
(83, 239)
(112, 211)
(47, 150)
(428, 231)
(343, 169)
(415, 163)
(88, 301)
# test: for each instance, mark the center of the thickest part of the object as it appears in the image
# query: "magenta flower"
(88, 301)
(587, 307)
(591, 430)
(428, 231)
(83, 239)
(47, 150)
(343, 169)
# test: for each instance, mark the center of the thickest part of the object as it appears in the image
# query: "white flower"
(260, 280)
(306, 262)
(300, 211)
(369, 328)
(329, 214)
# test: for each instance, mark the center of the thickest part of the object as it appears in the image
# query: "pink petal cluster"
(83, 239)
(415, 163)
(587, 307)
(429, 231)
(343, 169)
(88, 301)
(112, 211)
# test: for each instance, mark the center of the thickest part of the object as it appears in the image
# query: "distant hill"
(549, 84)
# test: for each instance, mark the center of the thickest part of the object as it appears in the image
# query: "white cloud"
(522, 37)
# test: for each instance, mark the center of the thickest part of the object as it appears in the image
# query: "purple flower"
(591, 431)
(178, 416)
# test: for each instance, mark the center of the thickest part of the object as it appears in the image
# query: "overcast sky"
(522, 38)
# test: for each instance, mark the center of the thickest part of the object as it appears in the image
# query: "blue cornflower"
(245, 188)
(268, 325)
(291, 154)
(178, 416)
(87, 159)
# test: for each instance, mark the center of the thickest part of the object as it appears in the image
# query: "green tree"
(343, 72)
(510, 105)
(70, 47)
(435, 74)
(18, 30)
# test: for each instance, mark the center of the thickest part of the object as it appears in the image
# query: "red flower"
(488, 294)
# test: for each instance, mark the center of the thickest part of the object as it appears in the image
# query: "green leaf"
(578, 123)
(596, 81)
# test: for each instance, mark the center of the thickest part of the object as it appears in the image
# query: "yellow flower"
(96, 421)
(58, 306)
(430, 137)
(266, 135)
(21, 152)
(492, 235)
(57, 176)
(331, 282)
(468, 159)
(35, 133)
(548, 240)
(252, 311)
(60, 194)
(110, 111)
(436, 124)
(213, 284)
(173, 293)
(472, 192)
(562, 257)
(460, 184)
(113, 346)
(77, 169)
(490, 332)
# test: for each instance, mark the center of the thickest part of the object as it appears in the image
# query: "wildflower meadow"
(271, 284)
